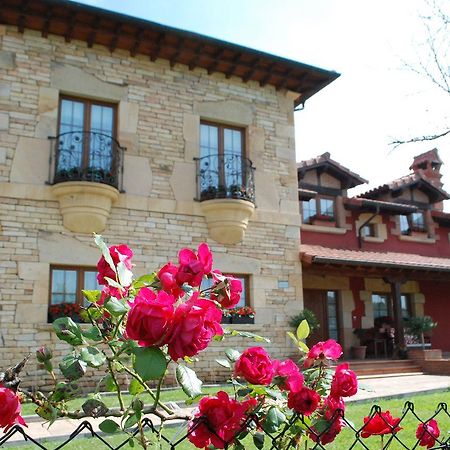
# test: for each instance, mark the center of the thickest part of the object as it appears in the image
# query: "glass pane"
(327, 207)
(90, 283)
(308, 210)
(70, 144)
(209, 152)
(64, 286)
(418, 221)
(405, 305)
(101, 144)
(380, 305)
(332, 315)
(232, 163)
(243, 299)
(404, 225)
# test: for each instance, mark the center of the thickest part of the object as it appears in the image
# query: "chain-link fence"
(409, 431)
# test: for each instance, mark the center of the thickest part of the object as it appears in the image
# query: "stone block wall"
(159, 111)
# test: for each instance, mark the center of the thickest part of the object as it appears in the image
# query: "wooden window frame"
(87, 119)
(411, 226)
(80, 270)
(319, 214)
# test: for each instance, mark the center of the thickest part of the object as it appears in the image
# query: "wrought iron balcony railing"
(225, 176)
(86, 156)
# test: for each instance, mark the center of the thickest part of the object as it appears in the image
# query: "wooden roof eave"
(118, 31)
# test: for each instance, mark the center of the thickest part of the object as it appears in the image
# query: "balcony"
(86, 172)
(226, 190)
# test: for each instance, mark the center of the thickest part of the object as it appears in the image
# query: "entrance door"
(324, 306)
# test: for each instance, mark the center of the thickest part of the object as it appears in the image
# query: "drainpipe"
(377, 211)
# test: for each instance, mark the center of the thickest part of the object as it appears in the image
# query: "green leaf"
(223, 362)
(105, 251)
(131, 421)
(68, 331)
(303, 330)
(246, 334)
(110, 386)
(72, 367)
(258, 439)
(93, 334)
(146, 280)
(232, 354)
(149, 362)
(131, 442)
(273, 420)
(47, 412)
(92, 296)
(303, 346)
(135, 387)
(109, 426)
(116, 307)
(292, 336)
(92, 356)
(189, 381)
(64, 391)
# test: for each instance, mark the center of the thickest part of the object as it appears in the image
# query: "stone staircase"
(376, 368)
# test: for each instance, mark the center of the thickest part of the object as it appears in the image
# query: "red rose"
(323, 350)
(331, 404)
(9, 409)
(193, 267)
(217, 420)
(288, 375)
(194, 325)
(119, 253)
(255, 366)
(167, 276)
(226, 289)
(427, 433)
(150, 317)
(380, 423)
(344, 382)
(329, 435)
(304, 401)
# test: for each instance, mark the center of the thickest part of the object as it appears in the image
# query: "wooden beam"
(174, 59)
(21, 21)
(251, 71)
(137, 42)
(265, 79)
(93, 34)
(285, 76)
(70, 28)
(158, 44)
(113, 44)
(197, 52)
(48, 16)
(216, 62)
(233, 63)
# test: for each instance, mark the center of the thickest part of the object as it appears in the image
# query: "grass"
(425, 405)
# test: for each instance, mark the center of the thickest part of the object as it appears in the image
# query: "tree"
(433, 64)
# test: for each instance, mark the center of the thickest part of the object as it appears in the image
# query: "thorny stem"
(119, 393)
(142, 434)
(158, 389)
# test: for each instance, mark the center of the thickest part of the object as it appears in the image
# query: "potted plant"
(324, 220)
(71, 310)
(209, 193)
(244, 314)
(307, 315)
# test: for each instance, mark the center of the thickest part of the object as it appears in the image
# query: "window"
(65, 294)
(332, 315)
(223, 169)
(244, 301)
(381, 305)
(413, 222)
(86, 146)
(368, 230)
(321, 208)
(405, 301)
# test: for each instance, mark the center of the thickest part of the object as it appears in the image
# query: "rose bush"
(144, 327)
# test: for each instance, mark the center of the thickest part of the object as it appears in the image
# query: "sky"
(376, 100)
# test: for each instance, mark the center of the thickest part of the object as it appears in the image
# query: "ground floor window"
(66, 284)
(332, 312)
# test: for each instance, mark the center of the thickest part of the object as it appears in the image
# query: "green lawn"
(424, 407)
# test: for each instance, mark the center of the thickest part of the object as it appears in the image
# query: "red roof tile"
(325, 255)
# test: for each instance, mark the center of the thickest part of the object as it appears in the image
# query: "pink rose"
(255, 366)
(323, 350)
(220, 418)
(194, 325)
(119, 253)
(288, 375)
(167, 276)
(226, 290)
(305, 401)
(427, 433)
(193, 267)
(150, 317)
(344, 382)
(9, 409)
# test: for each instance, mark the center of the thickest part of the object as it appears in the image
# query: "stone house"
(372, 261)
(151, 136)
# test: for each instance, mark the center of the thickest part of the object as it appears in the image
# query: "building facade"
(149, 136)
(373, 261)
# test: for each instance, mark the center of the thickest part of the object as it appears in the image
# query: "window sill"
(321, 229)
(419, 239)
(373, 239)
